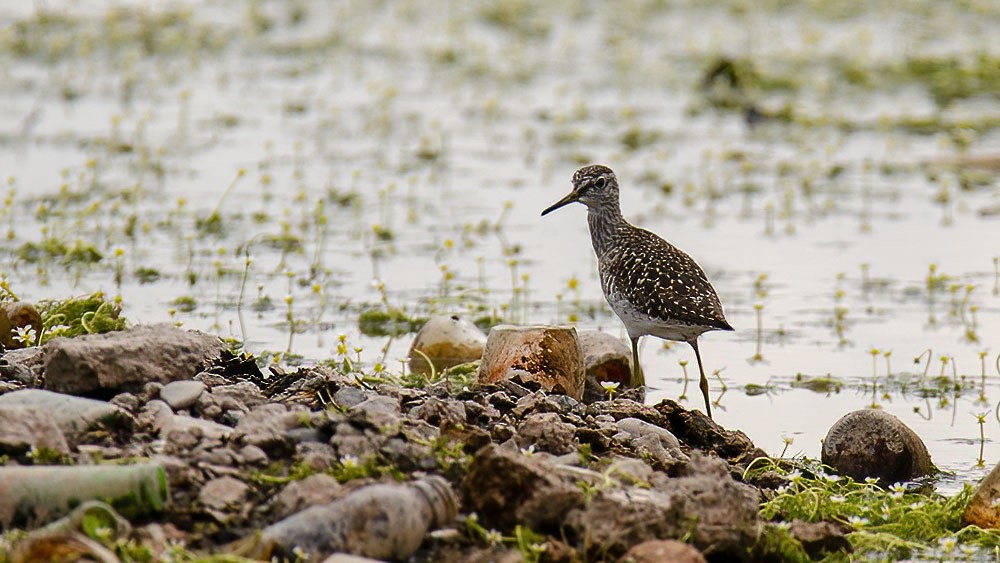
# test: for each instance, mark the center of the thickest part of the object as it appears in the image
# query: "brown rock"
(547, 356)
(223, 493)
(984, 507)
(446, 341)
(662, 551)
(820, 537)
(14, 315)
(605, 358)
(505, 488)
(126, 360)
(547, 433)
(874, 443)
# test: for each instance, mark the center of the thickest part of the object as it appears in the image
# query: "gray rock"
(73, 415)
(126, 360)
(650, 439)
(314, 489)
(23, 428)
(252, 455)
(22, 366)
(266, 427)
(874, 443)
(182, 394)
(223, 493)
(127, 401)
(199, 426)
(440, 412)
(241, 396)
(547, 433)
(380, 412)
(347, 397)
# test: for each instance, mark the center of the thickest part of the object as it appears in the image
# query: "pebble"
(182, 394)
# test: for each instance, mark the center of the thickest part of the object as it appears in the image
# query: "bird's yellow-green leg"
(704, 380)
(638, 378)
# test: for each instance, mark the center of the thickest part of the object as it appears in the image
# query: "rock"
(547, 356)
(348, 558)
(379, 411)
(649, 439)
(241, 396)
(347, 397)
(23, 428)
(547, 433)
(74, 415)
(505, 488)
(705, 507)
(441, 412)
(14, 315)
(874, 443)
(694, 429)
(984, 507)
(223, 493)
(605, 358)
(818, 538)
(319, 488)
(446, 341)
(266, 427)
(23, 366)
(182, 394)
(252, 455)
(662, 551)
(126, 360)
(199, 426)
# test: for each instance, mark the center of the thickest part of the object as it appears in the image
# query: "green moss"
(184, 303)
(91, 314)
(391, 322)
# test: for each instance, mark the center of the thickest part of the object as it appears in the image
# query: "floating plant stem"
(927, 364)
(874, 352)
(759, 311)
(684, 367)
(981, 419)
(239, 300)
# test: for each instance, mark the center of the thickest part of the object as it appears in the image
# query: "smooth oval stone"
(873, 443)
(182, 394)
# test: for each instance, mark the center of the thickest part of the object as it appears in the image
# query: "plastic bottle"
(380, 521)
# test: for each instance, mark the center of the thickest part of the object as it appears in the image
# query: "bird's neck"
(604, 225)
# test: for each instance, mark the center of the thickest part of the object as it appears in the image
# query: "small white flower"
(610, 385)
(857, 521)
(837, 498)
(25, 335)
(349, 461)
(493, 537)
(529, 451)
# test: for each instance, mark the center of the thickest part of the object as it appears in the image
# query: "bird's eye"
(601, 182)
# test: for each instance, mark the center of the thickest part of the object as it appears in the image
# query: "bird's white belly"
(638, 323)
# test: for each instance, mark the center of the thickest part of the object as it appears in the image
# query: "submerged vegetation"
(900, 522)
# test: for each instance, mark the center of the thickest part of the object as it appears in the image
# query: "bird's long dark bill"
(570, 198)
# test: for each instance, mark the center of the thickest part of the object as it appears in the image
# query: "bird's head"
(593, 186)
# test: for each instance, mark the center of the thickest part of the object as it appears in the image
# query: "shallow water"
(435, 134)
